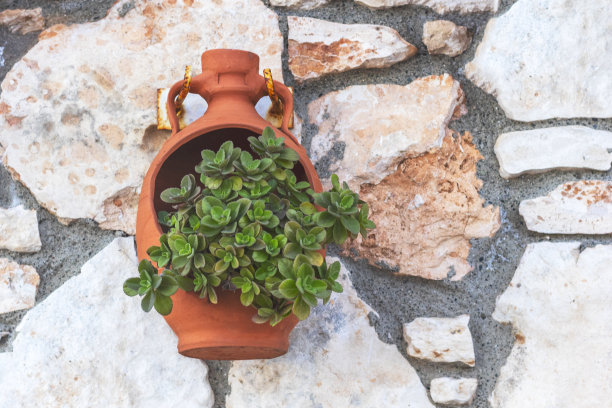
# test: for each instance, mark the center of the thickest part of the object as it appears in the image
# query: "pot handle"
(181, 89)
(287, 99)
(171, 106)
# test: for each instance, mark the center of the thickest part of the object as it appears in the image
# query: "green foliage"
(268, 146)
(342, 217)
(253, 227)
(155, 289)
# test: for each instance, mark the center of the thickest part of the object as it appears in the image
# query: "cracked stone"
(445, 37)
(80, 132)
(439, 6)
(319, 47)
(89, 345)
(559, 305)
(377, 126)
(535, 41)
(335, 360)
(453, 391)
(427, 212)
(440, 339)
(578, 207)
(18, 286)
(566, 147)
(23, 21)
(19, 230)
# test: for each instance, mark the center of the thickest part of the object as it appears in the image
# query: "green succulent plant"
(252, 227)
(304, 215)
(161, 254)
(216, 166)
(253, 170)
(296, 191)
(155, 289)
(227, 255)
(262, 216)
(186, 251)
(304, 243)
(249, 237)
(257, 190)
(187, 192)
(218, 217)
(272, 247)
(342, 215)
(301, 286)
(269, 146)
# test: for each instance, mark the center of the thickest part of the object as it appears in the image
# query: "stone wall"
(486, 164)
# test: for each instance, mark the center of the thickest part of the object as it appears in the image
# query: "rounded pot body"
(232, 86)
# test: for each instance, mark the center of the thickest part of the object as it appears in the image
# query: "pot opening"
(186, 157)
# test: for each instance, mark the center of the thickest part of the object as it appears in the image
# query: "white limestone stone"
(299, 4)
(18, 286)
(335, 360)
(439, 6)
(453, 391)
(380, 125)
(319, 47)
(440, 339)
(548, 59)
(579, 207)
(19, 230)
(560, 307)
(78, 123)
(558, 148)
(89, 345)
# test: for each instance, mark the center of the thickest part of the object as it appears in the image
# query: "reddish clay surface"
(231, 85)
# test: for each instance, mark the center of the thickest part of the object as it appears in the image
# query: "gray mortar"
(65, 249)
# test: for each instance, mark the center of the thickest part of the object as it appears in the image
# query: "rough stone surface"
(579, 207)
(80, 132)
(19, 230)
(559, 304)
(557, 148)
(319, 47)
(453, 391)
(299, 4)
(377, 126)
(445, 37)
(335, 360)
(89, 345)
(440, 339)
(23, 21)
(528, 45)
(427, 212)
(18, 286)
(439, 6)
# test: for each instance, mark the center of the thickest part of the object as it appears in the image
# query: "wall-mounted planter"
(231, 85)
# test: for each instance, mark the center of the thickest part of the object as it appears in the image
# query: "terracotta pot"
(231, 85)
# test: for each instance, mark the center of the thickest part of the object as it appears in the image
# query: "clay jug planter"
(231, 85)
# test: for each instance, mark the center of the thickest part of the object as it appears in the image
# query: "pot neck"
(225, 103)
